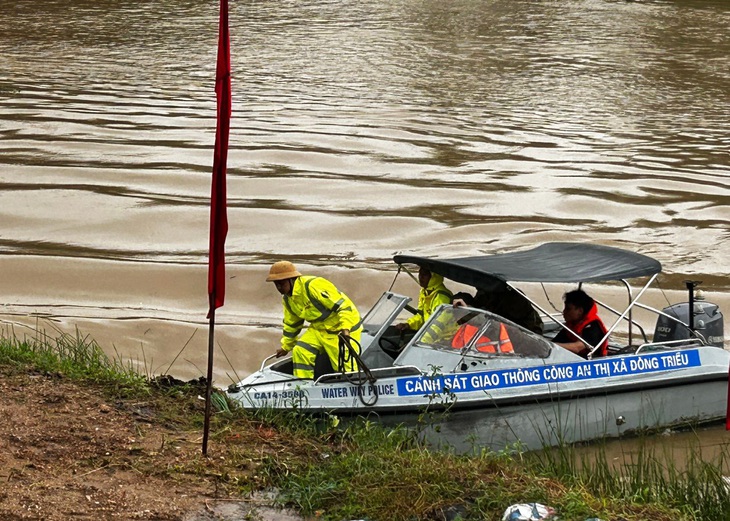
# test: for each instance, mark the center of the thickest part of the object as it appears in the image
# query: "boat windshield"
(478, 333)
(383, 312)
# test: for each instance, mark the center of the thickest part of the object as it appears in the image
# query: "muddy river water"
(360, 129)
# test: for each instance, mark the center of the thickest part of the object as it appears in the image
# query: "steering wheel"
(390, 346)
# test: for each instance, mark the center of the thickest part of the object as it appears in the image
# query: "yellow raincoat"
(429, 298)
(328, 311)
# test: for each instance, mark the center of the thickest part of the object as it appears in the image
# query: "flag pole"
(209, 377)
(218, 214)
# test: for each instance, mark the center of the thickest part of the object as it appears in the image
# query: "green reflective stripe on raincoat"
(441, 330)
(292, 329)
(319, 302)
(337, 306)
(324, 311)
(304, 370)
(429, 298)
(308, 347)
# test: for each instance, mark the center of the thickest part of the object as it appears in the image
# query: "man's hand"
(402, 326)
(345, 332)
(281, 352)
(458, 303)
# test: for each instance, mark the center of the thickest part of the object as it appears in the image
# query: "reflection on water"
(606, 121)
(671, 451)
(361, 129)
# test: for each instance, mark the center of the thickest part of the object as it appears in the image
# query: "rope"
(395, 278)
(544, 290)
(411, 275)
(664, 294)
(346, 355)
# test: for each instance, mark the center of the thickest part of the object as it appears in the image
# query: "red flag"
(218, 216)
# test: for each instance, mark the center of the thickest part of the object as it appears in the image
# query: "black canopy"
(551, 262)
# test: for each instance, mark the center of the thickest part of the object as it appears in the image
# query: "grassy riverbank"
(90, 437)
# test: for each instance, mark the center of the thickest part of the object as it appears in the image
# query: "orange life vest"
(578, 327)
(484, 344)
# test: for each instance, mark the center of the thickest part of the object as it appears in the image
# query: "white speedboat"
(531, 391)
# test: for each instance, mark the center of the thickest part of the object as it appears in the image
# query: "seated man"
(506, 302)
(433, 293)
(581, 316)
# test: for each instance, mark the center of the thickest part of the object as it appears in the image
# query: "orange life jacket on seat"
(484, 344)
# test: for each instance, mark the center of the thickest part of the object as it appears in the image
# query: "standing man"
(433, 293)
(330, 314)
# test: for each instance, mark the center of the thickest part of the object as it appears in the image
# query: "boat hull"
(543, 423)
(535, 407)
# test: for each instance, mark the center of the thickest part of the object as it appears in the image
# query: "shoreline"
(88, 438)
(151, 314)
(146, 313)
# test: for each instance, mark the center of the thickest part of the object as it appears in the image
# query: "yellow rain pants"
(328, 311)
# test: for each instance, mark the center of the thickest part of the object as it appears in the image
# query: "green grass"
(336, 471)
(380, 474)
(74, 356)
(650, 475)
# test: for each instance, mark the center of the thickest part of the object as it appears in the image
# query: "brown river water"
(361, 129)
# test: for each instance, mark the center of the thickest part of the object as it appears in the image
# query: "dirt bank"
(68, 453)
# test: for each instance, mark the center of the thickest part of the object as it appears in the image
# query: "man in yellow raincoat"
(433, 293)
(330, 313)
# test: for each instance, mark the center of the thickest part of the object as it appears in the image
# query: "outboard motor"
(706, 319)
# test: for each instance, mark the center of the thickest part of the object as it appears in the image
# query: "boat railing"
(629, 319)
(263, 364)
(383, 372)
(663, 314)
(685, 343)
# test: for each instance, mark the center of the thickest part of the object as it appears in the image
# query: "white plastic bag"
(528, 512)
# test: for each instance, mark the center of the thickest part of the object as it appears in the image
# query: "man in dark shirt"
(581, 317)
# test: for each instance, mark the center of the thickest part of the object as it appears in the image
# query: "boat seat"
(550, 327)
(615, 349)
